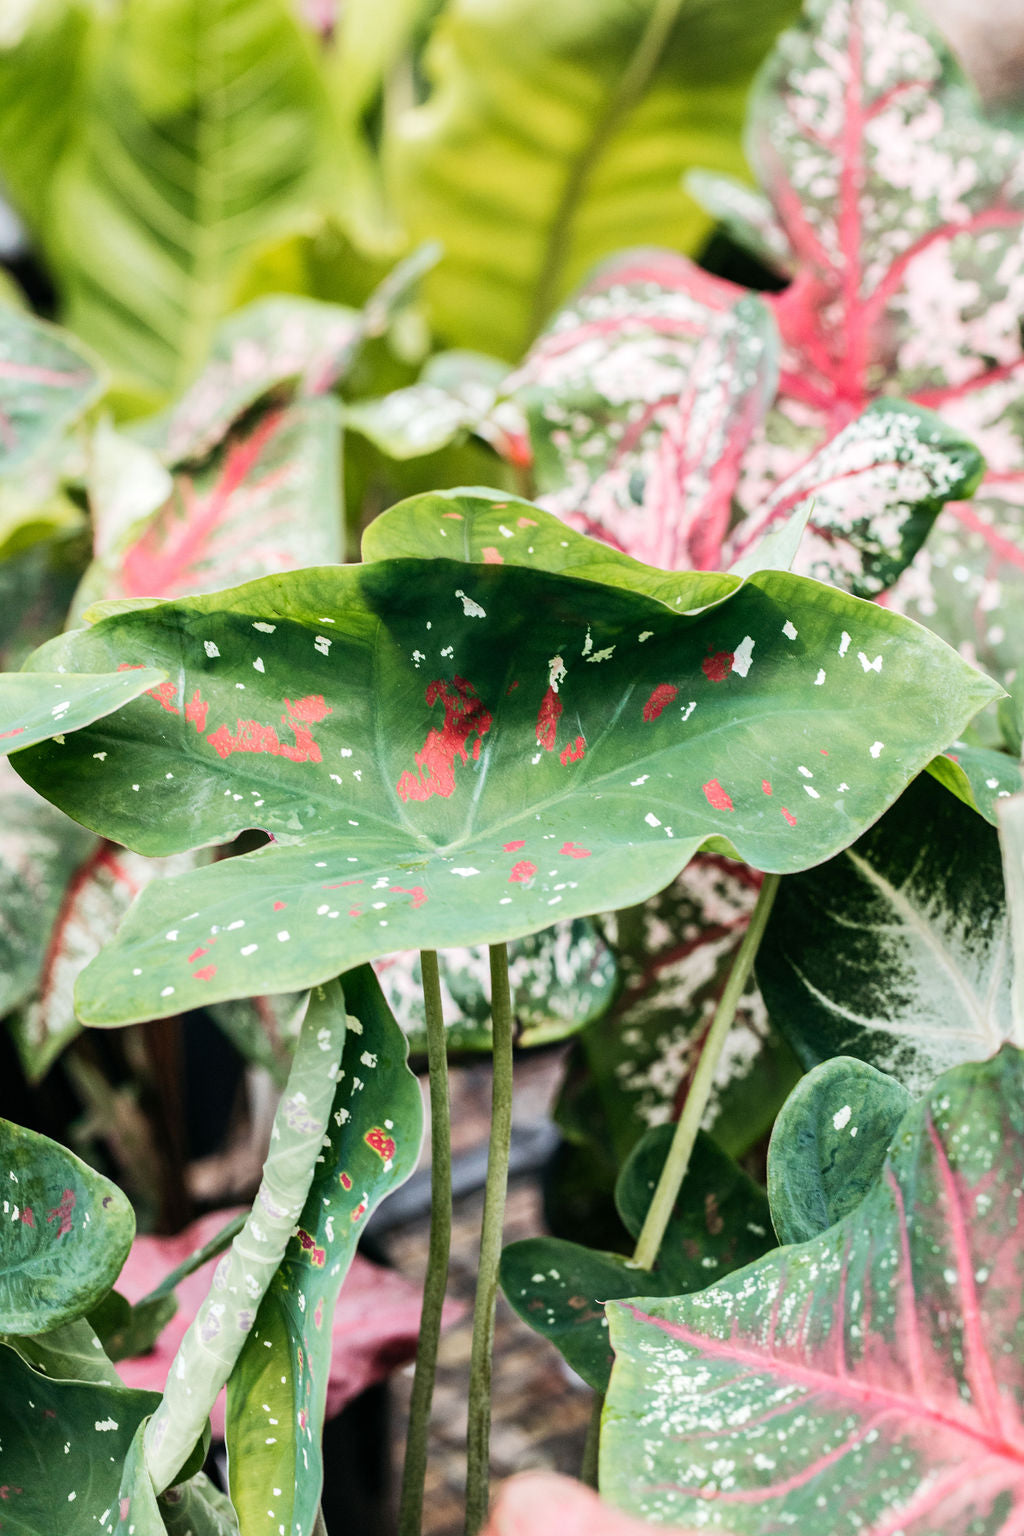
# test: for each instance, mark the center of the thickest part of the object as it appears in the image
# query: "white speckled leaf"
(979, 776)
(64, 1445)
(420, 772)
(898, 950)
(277, 1392)
(46, 382)
(33, 707)
(213, 1343)
(65, 1233)
(873, 1373)
(191, 1508)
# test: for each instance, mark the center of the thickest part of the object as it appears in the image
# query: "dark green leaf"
(897, 951)
(829, 1144)
(64, 1237)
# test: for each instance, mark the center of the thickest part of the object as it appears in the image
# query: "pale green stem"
(217, 1244)
(588, 1470)
(630, 88)
(410, 1513)
(479, 1438)
(678, 1160)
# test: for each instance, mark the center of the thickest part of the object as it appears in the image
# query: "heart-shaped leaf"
(45, 384)
(873, 1372)
(38, 705)
(277, 1394)
(64, 1443)
(561, 979)
(829, 1144)
(616, 107)
(897, 951)
(719, 1221)
(214, 1341)
(65, 1236)
(441, 723)
(643, 407)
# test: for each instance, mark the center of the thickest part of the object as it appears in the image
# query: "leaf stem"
(588, 1469)
(217, 1244)
(632, 83)
(678, 1160)
(410, 1512)
(478, 1443)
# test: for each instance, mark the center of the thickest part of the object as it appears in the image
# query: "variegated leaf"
(870, 1377)
(46, 382)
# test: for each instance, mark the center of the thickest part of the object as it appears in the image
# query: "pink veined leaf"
(267, 501)
(874, 1373)
(547, 1504)
(45, 383)
(904, 207)
(376, 1321)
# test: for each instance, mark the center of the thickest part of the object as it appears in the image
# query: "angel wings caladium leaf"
(447, 754)
(45, 383)
(873, 1372)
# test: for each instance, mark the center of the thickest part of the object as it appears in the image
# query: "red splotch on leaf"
(572, 852)
(63, 1212)
(381, 1143)
(547, 720)
(823, 751)
(716, 796)
(511, 688)
(125, 1508)
(515, 847)
(526, 522)
(659, 700)
(197, 954)
(493, 556)
(253, 736)
(318, 1314)
(27, 1217)
(196, 711)
(464, 716)
(207, 973)
(418, 894)
(355, 911)
(17, 731)
(163, 693)
(359, 1211)
(456, 517)
(6, 1489)
(522, 872)
(573, 753)
(766, 786)
(716, 668)
(279, 906)
(308, 1244)
(789, 816)
(345, 1181)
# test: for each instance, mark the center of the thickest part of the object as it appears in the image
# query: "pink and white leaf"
(872, 1377)
(547, 1504)
(45, 385)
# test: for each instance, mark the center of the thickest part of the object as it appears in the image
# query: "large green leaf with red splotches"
(38, 705)
(902, 207)
(46, 382)
(217, 1335)
(267, 500)
(631, 1068)
(277, 1392)
(65, 1234)
(612, 101)
(897, 951)
(873, 1372)
(414, 734)
(64, 1443)
(829, 1144)
(719, 1221)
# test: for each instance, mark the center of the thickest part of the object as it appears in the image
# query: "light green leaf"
(829, 1144)
(556, 134)
(191, 1508)
(457, 392)
(277, 1392)
(69, 1352)
(979, 776)
(33, 706)
(746, 215)
(1011, 837)
(125, 482)
(425, 758)
(215, 1339)
(64, 1445)
(66, 1233)
(200, 139)
(896, 951)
